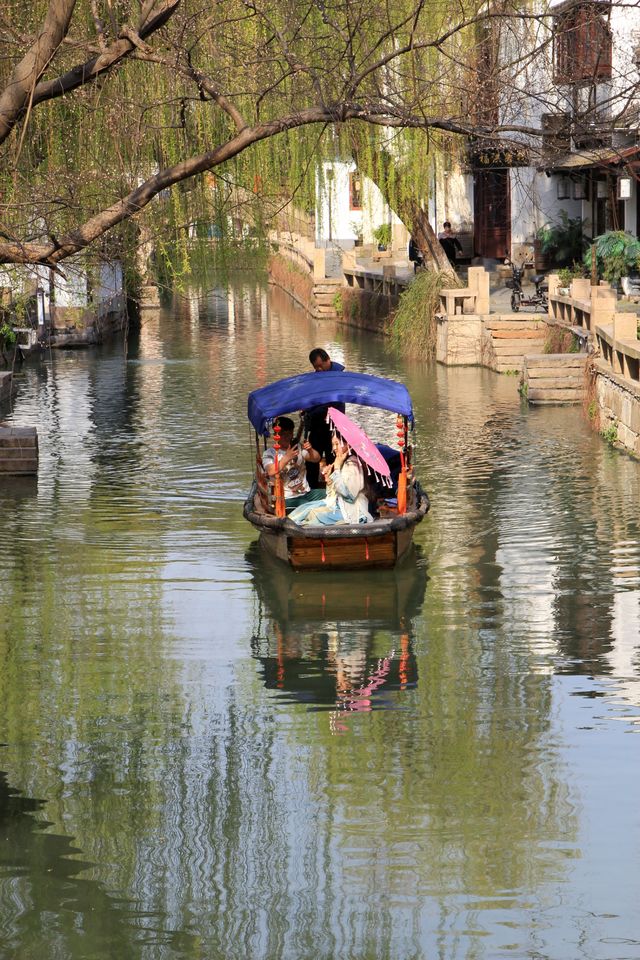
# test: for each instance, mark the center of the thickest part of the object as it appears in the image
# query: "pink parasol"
(362, 446)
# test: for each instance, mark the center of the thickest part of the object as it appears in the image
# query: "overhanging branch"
(127, 207)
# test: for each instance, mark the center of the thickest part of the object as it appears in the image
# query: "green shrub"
(560, 340)
(564, 242)
(610, 433)
(7, 335)
(617, 254)
(413, 326)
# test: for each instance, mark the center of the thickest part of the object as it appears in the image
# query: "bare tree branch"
(19, 94)
(89, 71)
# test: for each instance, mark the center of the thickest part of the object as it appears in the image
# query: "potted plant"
(382, 235)
(567, 274)
(356, 226)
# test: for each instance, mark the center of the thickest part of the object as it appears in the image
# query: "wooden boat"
(381, 543)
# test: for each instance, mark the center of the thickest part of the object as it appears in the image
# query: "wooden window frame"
(582, 46)
(355, 193)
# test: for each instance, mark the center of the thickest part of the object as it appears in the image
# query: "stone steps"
(324, 293)
(554, 378)
(509, 339)
(561, 360)
(521, 347)
(556, 383)
(328, 286)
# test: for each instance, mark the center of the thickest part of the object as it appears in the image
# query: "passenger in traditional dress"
(292, 460)
(346, 500)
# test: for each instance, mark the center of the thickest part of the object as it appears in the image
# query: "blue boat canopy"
(308, 390)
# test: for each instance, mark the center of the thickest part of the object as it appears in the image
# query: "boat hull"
(380, 544)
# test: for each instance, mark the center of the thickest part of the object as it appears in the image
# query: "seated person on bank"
(346, 500)
(292, 460)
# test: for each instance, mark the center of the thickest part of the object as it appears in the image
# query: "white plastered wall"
(337, 222)
(535, 203)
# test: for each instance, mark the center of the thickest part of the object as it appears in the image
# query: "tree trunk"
(416, 221)
(15, 98)
(412, 215)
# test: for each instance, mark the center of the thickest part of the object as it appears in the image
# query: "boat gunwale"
(376, 528)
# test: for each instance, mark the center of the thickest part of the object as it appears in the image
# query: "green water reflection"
(232, 760)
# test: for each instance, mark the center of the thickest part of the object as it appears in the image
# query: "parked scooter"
(539, 299)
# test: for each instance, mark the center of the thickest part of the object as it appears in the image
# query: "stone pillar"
(554, 282)
(625, 326)
(580, 288)
(478, 281)
(603, 306)
(388, 271)
(349, 259)
(319, 259)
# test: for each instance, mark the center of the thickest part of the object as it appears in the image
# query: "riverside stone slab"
(556, 383)
(559, 359)
(554, 378)
(528, 333)
(18, 451)
(557, 395)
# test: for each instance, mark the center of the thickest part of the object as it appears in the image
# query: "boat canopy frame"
(307, 390)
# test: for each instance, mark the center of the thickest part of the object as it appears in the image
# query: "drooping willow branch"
(53, 252)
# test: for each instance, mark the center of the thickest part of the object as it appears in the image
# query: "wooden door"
(492, 213)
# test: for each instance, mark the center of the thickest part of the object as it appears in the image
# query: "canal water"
(204, 755)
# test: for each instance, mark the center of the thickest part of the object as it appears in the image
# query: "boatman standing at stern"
(316, 424)
(322, 362)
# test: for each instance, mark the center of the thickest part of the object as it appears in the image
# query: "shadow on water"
(337, 641)
(54, 910)
(19, 488)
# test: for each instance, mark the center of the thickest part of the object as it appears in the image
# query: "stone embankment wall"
(291, 278)
(86, 327)
(499, 342)
(618, 401)
(6, 386)
(365, 309)
(297, 276)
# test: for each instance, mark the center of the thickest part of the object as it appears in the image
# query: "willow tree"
(108, 104)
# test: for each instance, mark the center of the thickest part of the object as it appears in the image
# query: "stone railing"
(592, 314)
(474, 298)
(385, 282)
(299, 251)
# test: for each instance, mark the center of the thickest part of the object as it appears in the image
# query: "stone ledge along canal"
(205, 755)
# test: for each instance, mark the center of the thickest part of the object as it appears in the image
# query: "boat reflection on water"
(335, 641)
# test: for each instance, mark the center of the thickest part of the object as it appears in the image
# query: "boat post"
(402, 479)
(278, 485)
